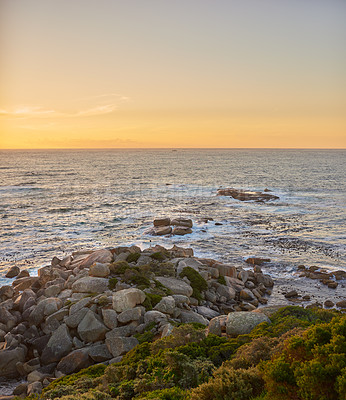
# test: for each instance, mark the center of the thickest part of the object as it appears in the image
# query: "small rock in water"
(12, 272)
(292, 293)
(328, 304)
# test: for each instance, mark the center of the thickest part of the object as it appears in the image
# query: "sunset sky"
(172, 73)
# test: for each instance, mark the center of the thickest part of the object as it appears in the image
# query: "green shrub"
(174, 393)
(198, 283)
(221, 279)
(112, 282)
(159, 256)
(230, 384)
(133, 257)
(119, 267)
(163, 269)
(151, 300)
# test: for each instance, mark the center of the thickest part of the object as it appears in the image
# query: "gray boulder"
(91, 329)
(99, 353)
(58, 346)
(217, 325)
(166, 305)
(207, 312)
(226, 291)
(110, 318)
(242, 322)
(99, 270)
(154, 316)
(118, 345)
(190, 316)
(12, 272)
(134, 314)
(90, 284)
(8, 360)
(127, 298)
(43, 309)
(176, 286)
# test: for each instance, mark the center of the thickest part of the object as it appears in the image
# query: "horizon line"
(174, 148)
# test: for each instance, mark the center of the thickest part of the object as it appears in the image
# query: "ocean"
(54, 202)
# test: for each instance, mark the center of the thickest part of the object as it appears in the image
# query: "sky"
(181, 74)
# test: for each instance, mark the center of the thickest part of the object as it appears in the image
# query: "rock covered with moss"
(95, 306)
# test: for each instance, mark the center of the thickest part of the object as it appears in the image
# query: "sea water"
(54, 202)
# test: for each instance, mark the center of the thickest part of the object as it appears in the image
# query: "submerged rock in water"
(244, 195)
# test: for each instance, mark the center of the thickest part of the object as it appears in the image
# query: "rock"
(341, 304)
(332, 284)
(99, 353)
(120, 345)
(162, 230)
(181, 230)
(207, 312)
(242, 322)
(227, 270)
(35, 376)
(166, 305)
(177, 251)
(99, 270)
(122, 331)
(101, 256)
(53, 290)
(243, 195)
(328, 304)
(90, 284)
(74, 362)
(226, 291)
(190, 316)
(34, 388)
(110, 318)
(91, 329)
(257, 260)
(290, 294)
(43, 309)
(76, 318)
(162, 221)
(8, 360)
(189, 262)
(58, 346)
(6, 292)
(24, 283)
(21, 389)
(246, 294)
(217, 325)
(182, 222)
(154, 316)
(133, 314)
(12, 272)
(127, 298)
(176, 286)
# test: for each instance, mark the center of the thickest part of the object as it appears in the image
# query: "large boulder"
(181, 230)
(89, 284)
(226, 291)
(127, 298)
(218, 325)
(133, 314)
(176, 286)
(243, 322)
(182, 222)
(91, 329)
(74, 362)
(99, 270)
(58, 346)
(190, 316)
(207, 312)
(162, 221)
(110, 318)
(43, 309)
(101, 256)
(99, 353)
(118, 345)
(166, 305)
(8, 360)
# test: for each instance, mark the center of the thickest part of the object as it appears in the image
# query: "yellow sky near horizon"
(114, 74)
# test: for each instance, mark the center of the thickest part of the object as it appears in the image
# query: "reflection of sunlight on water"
(103, 205)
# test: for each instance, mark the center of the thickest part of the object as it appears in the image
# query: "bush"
(119, 267)
(159, 256)
(198, 283)
(230, 384)
(112, 283)
(173, 393)
(133, 257)
(221, 279)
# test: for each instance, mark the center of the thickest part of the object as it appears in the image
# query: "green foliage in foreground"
(300, 356)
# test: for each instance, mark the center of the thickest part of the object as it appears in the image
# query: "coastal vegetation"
(300, 355)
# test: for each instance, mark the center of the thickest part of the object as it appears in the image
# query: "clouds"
(90, 106)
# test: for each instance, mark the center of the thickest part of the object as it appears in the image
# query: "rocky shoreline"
(93, 306)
